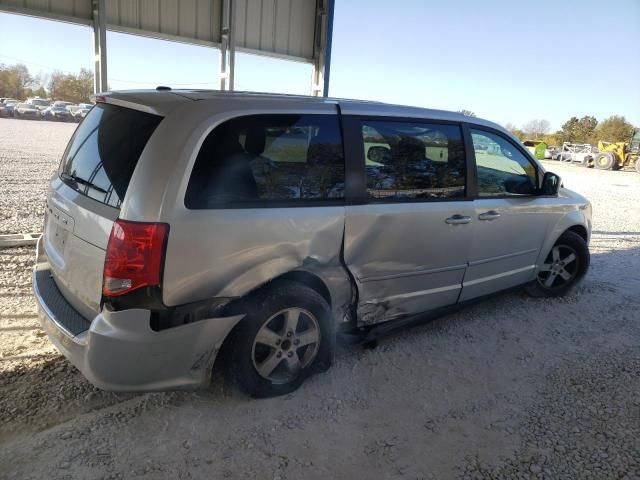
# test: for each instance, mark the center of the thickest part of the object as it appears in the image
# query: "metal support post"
(227, 46)
(99, 46)
(322, 48)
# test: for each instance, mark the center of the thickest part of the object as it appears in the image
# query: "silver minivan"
(188, 226)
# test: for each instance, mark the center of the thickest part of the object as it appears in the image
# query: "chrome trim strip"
(499, 275)
(412, 273)
(503, 257)
(415, 294)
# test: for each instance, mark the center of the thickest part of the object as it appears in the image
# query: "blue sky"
(507, 61)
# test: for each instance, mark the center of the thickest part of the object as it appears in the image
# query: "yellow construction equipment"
(618, 155)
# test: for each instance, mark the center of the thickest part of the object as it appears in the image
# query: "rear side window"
(104, 151)
(266, 159)
(413, 160)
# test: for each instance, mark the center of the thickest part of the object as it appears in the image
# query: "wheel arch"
(308, 279)
(333, 284)
(575, 221)
(580, 230)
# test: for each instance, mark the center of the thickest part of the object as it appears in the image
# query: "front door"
(407, 244)
(510, 222)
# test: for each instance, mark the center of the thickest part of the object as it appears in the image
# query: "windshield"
(104, 151)
(40, 103)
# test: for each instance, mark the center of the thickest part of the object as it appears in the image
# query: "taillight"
(135, 257)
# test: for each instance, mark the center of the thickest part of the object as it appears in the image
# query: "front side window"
(268, 158)
(502, 169)
(413, 160)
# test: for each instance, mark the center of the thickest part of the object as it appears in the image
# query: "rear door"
(85, 197)
(511, 220)
(407, 237)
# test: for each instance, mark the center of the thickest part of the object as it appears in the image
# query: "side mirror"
(379, 154)
(551, 184)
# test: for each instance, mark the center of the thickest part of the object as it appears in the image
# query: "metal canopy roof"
(297, 30)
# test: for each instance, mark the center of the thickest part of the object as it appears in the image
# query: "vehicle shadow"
(40, 390)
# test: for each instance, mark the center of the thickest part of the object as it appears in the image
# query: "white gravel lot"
(513, 387)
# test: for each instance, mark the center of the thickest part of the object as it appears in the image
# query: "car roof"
(162, 102)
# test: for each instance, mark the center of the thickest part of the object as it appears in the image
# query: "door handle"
(458, 220)
(490, 215)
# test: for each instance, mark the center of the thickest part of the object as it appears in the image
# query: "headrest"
(411, 148)
(255, 141)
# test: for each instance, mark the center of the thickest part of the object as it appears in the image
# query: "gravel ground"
(513, 387)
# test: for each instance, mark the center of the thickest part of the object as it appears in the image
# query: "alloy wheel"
(560, 267)
(285, 344)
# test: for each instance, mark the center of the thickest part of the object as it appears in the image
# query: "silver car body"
(381, 261)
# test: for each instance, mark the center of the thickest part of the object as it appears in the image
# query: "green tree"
(581, 130)
(570, 130)
(586, 128)
(553, 139)
(69, 87)
(14, 81)
(614, 129)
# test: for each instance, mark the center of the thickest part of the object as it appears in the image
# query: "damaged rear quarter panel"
(228, 253)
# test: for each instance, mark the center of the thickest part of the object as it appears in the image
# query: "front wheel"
(604, 161)
(565, 265)
(286, 336)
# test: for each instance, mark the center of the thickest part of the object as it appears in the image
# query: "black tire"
(241, 349)
(568, 243)
(604, 161)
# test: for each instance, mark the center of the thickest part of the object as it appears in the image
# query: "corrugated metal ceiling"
(268, 27)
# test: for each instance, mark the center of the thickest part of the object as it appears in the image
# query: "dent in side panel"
(228, 253)
(405, 258)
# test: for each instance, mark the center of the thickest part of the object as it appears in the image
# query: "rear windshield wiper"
(82, 181)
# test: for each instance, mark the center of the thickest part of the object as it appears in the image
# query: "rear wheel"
(565, 265)
(286, 336)
(604, 161)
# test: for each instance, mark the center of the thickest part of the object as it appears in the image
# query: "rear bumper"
(118, 351)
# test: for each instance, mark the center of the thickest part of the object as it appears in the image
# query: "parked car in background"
(24, 110)
(78, 112)
(10, 106)
(39, 103)
(59, 114)
(60, 103)
(5, 100)
(4, 112)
